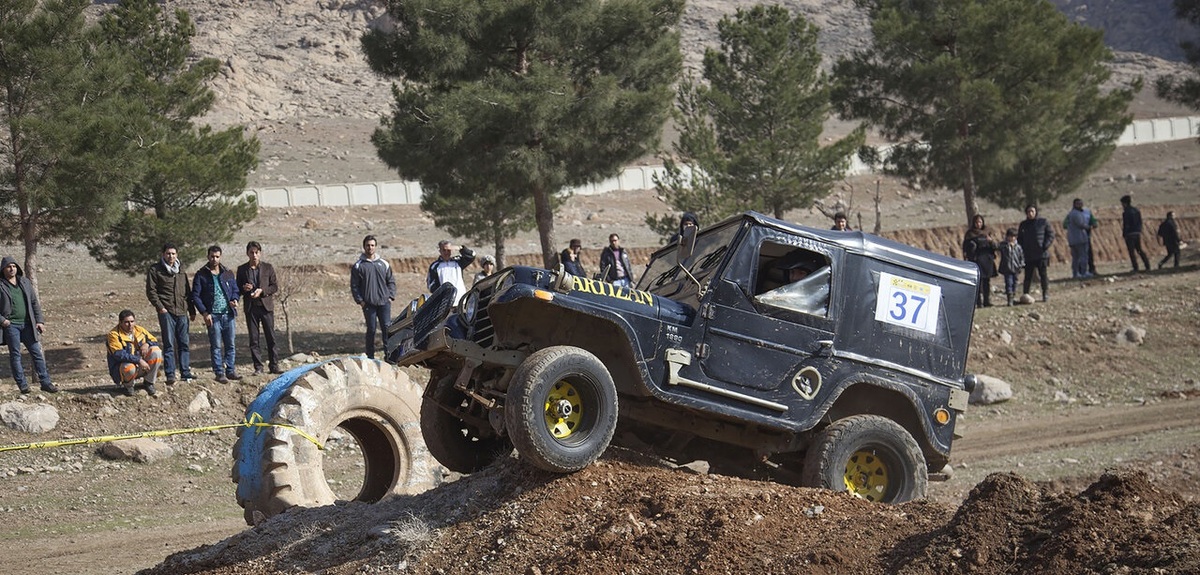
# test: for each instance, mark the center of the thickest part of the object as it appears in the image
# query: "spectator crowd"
(215, 293)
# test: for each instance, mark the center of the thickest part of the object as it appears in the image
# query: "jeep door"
(767, 319)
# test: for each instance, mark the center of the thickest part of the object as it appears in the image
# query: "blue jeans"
(220, 339)
(23, 333)
(376, 315)
(175, 344)
(1010, 284)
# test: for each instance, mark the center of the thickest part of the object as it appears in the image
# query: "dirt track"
(1097, 426)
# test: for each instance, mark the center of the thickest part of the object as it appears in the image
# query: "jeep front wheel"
(872, 457)
(561, 410)
(456, 444)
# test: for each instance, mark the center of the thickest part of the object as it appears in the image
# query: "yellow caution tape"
(255, 420)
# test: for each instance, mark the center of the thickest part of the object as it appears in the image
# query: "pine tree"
(750, 137)
(190, 190)
(999, 98)
(66, 147)
(528, 95)
(1184, 90)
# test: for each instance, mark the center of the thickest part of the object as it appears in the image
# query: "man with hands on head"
(449, 268)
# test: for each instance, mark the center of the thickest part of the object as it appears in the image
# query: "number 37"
(904, 303)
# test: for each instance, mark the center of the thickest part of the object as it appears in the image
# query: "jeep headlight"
(506, 282)
(470, 305)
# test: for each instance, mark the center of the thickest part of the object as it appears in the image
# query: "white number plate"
(908, 303)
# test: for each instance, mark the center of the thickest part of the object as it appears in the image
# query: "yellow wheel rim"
(866, 476)
(564, 410)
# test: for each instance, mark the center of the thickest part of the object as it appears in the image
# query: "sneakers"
(150, 389)
(187, 377)
(50, 388)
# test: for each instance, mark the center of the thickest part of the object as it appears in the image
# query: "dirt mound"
(627, 514)
(1122, 523)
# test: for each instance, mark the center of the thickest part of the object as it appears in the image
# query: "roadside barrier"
(255, 420)
(395, 192)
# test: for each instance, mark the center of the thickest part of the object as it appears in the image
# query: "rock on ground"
(26, 418)
(141, 450)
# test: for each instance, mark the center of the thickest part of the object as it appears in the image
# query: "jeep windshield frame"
(665, 276)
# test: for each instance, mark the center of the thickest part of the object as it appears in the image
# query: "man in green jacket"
(22, 320)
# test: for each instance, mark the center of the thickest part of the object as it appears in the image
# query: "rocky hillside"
(294, 59)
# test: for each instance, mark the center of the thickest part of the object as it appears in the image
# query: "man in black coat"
(1131, 228)
(614, 263)
(1035, 236)
(259, 285)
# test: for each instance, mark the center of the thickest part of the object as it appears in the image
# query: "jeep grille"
(434, 312)
(483, 333)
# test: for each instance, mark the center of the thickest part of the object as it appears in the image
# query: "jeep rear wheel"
(455, 444)
(562, 409)
(375, 404)
(872, 457)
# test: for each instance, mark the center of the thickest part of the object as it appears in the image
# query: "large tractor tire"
(561, 410)
(872, 457)
(276, 468)
(455, 444)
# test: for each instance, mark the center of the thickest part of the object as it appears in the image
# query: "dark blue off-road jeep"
(813, 357)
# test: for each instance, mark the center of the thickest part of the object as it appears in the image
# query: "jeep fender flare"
(567, 311)
(849, 396)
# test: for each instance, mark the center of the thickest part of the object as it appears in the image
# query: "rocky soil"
(1092, 467)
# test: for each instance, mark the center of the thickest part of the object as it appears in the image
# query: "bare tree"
(294, 282)
(878, 212)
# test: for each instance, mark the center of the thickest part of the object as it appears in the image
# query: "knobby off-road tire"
(276, 468)
(561, 409)
(872, 457)
(456, 445)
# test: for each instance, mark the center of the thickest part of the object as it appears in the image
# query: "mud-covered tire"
(276, 468)
(561, 409)
(872, 457)
(456, 445)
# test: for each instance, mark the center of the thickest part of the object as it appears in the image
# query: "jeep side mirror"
(687, 243)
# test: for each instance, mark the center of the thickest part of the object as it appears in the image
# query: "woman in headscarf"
(979, 247)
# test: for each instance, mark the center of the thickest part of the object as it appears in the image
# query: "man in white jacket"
(449, 268)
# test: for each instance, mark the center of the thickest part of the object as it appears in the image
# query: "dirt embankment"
(629, 515)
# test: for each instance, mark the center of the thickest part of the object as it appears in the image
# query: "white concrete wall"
(631, 178)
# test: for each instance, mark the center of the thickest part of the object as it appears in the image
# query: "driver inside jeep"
(803, 280)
